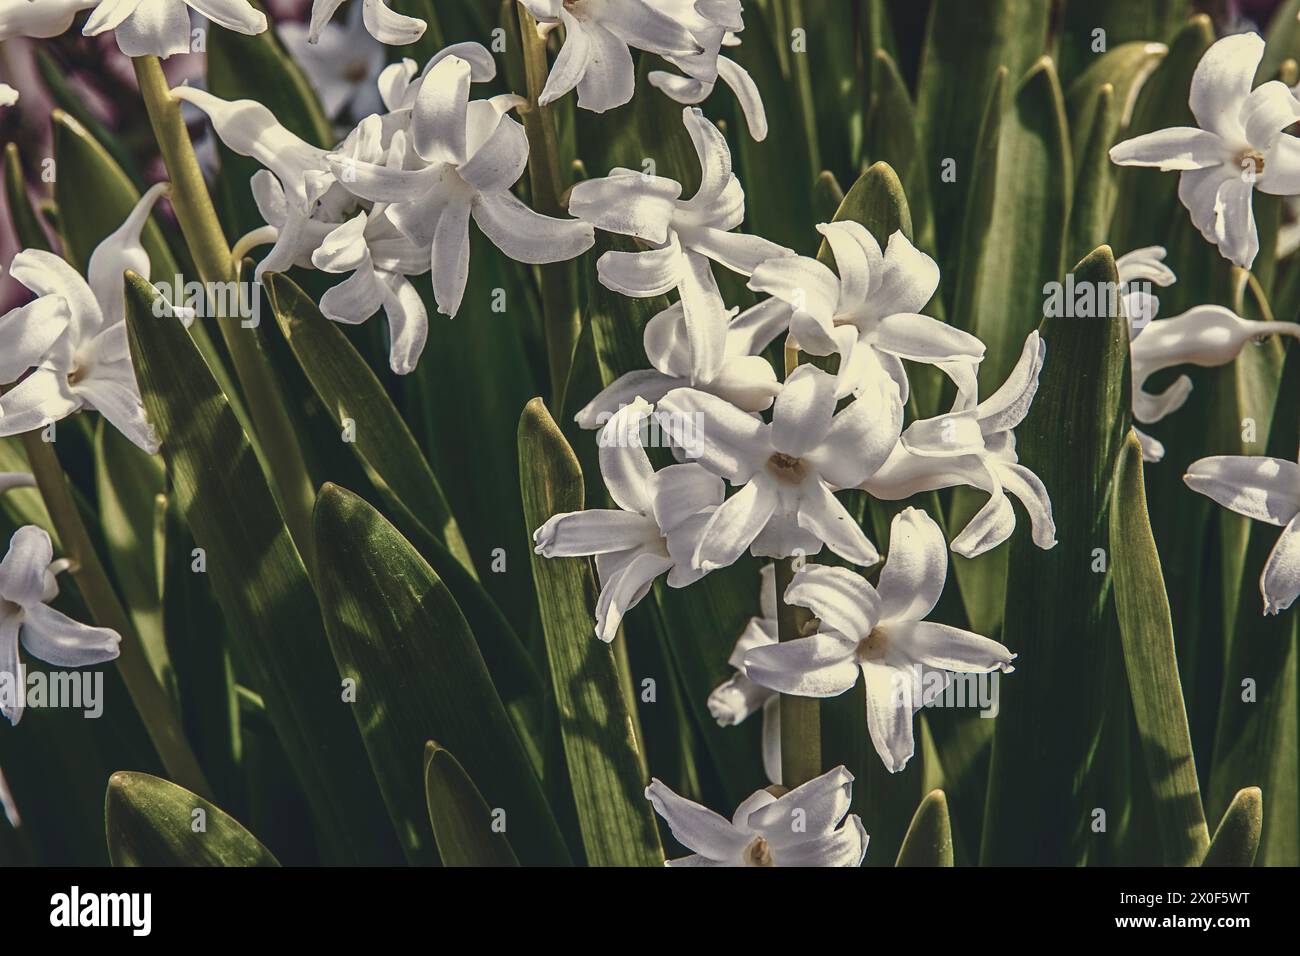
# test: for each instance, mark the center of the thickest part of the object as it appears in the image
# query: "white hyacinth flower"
(1136, 269)
(39, 18)
(1265, 489)
(462, 158)
(684, 237)
(714, 24)
(744, 378)
(806, 826)
(158, 27)
(870, 312)
(73, 337)
(27, 586)
(595, 58)
(342, 65)
(383, 23)
(1208, 336)
(655, 528)
(882, 632)
(1237, 146)
(787, 471)
(737, 697)
(974, 445)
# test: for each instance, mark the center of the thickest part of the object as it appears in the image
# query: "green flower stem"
(559, 285)
(801, 723)
(275, 436)
(151, 702)
(801, 77)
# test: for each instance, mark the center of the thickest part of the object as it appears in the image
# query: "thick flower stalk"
(1236, 147)
(882, 633)
(807, 826)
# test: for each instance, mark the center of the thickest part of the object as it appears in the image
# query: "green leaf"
(1050, 717)
(1125, 68)
(462, 822)
(1147, 635)
(965, 44)
(259, 581)
(152, 822)
(929, 838)
(26, 223)
(1236, 841)
(1123, 24)
(893, 138)
(351, 393)
(1094, 188)
(605, 766)
(397, 633)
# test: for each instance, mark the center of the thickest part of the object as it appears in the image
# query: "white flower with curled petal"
(461, 161)
(1239, 146)
(39, 18)
(714, 24)
(737, 697)
(974, 445)
(27, 586)
(684, 236)
(1265, 489)
(655, 529)
(384, 24)
(1207, 335)
(595, 58)
(870, 312)
(787, 471)
(162, 27)
(745, 378)
(806, 826)
(880, 631)
(342, 64)
(73, 337)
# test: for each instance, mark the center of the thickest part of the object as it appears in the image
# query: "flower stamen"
(759, 853)
(787, 468)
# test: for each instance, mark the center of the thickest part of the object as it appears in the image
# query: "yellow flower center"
(759, 853)
(873, 646)
(1256, 161)
(787, 468)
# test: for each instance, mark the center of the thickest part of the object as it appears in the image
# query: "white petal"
(12, 678)
(643, 274)
(822, 665)
(992, 524)
(1269, 109)
(46, 274)
(889, 713)
(451, 257)
(438, 116)
(694, 826)
(771, 742)
(724, 439)
(528, 236)
(1266, 489)
(625, 590)
(908, 279)
(757, 327)
(1281, 175)
(39, 399)
(738, 252)
(1280, 580)
(751, 104)
(118, 400)
(59, 640)
(598, 531)
(1026, 486)
(571, 64)
(732, 701)
(802, 414)
(749, 382)
(916, 567)
(22, 572)
(1007, 407)
(861, 435)
(1222, 82)
(1174, 148)
(355, 299)
(925, 339)
(705, 317)
(408, 322)
(500, 160)
(609, 79)
(1234, 227)
(155, 28)
(857, 254)
(949, 648)
(623, 463)
(1207, 335)
(28, 333)
(647, 384)
(735, 525)
(628, 203)
(840, 598)
(387, 26)
(807, 285)
(811, 809)
(846, 846)
(682, 491)
(825, 516)
(238, 15)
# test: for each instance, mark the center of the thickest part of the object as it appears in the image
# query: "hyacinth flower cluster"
(869, 449)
